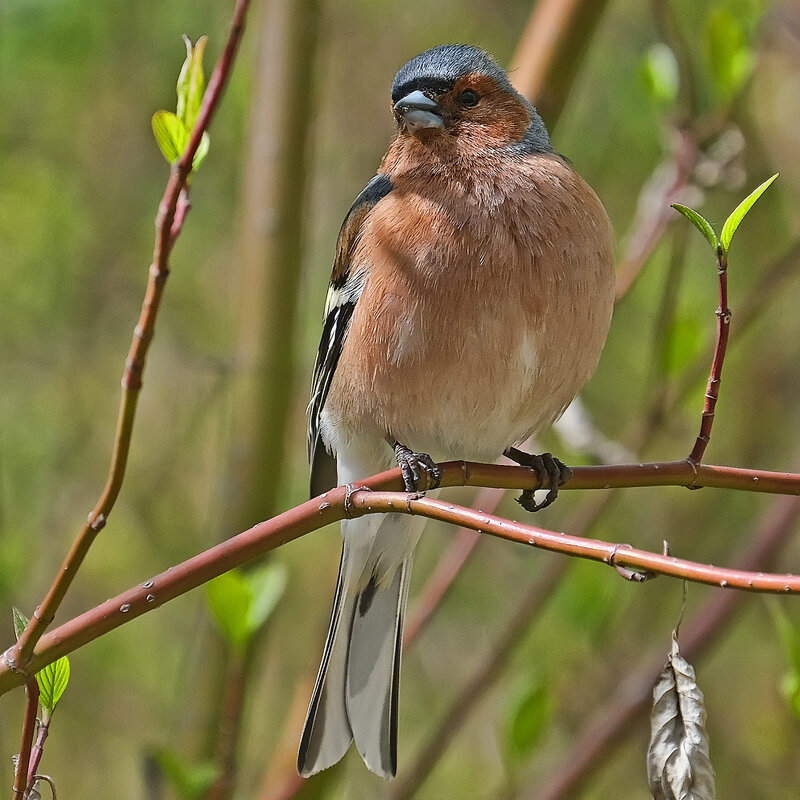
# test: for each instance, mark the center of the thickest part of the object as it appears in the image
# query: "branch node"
(10, 660)
(632, 575)
(349, 490)
(98, 523)
(410, 496)
(693, 464)
(724, 315)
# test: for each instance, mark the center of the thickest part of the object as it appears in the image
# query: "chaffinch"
(471, 295)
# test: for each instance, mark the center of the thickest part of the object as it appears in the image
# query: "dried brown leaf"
(678, 763)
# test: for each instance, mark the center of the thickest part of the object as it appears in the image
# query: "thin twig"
(26, 742)
(38, 747)
(712, 392)
(171, 213)
(615, 555)
(333, 506)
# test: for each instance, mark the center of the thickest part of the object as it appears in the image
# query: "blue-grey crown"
(439, 68)
(435, 71)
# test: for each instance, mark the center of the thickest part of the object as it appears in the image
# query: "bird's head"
(460, 91)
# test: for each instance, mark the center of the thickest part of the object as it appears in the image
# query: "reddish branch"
(338, 503)
(616, 555)
(712, 392)
(28, 730)
(171, 214)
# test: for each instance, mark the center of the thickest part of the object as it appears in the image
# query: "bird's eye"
(468, 98)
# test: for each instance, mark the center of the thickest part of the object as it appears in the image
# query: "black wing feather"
(345, 289)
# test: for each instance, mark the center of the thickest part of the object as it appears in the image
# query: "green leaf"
(202, 151)
(790, 689)
(52, 680)
(789, 635)
(731, 57)
(700, 222)
(267, 585)
(173, 131)
(190, 781)
(659, 71)
(20, 621)
(229, 598)
(171, 135)
(191, 82)
(241, 602)
(740, 212)
(686, 342)
(528, 720)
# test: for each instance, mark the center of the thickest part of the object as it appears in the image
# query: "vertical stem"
(26, 743)
(712, 392)
(38, 748)
(633, 695)
(230, 725)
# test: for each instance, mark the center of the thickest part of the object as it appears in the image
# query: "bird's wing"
(345, 288)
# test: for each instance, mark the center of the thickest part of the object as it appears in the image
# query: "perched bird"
(471, 295)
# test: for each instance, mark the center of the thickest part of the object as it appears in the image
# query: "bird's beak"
(419, 111)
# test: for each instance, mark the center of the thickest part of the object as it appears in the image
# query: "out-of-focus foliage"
(241, 603)
(80, 179)
(190, 782)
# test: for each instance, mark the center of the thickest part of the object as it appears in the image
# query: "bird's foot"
(420, 471)
(546, 468)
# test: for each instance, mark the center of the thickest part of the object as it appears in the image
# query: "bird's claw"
(546, 468)
(420, 471)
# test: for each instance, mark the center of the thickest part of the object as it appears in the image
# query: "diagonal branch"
(355, 500)
(21, 779)
(169, 220)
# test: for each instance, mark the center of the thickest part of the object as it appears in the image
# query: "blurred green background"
(220, 436)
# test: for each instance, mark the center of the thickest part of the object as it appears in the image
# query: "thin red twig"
(171, 214)
(712, 392)
(38, 748)
(616, 555)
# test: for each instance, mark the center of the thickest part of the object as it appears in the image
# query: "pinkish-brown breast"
(487, 304)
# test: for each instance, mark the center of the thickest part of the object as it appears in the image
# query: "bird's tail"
(355, 696)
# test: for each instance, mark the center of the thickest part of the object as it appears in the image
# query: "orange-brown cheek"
(499, 117)
(505, 119)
